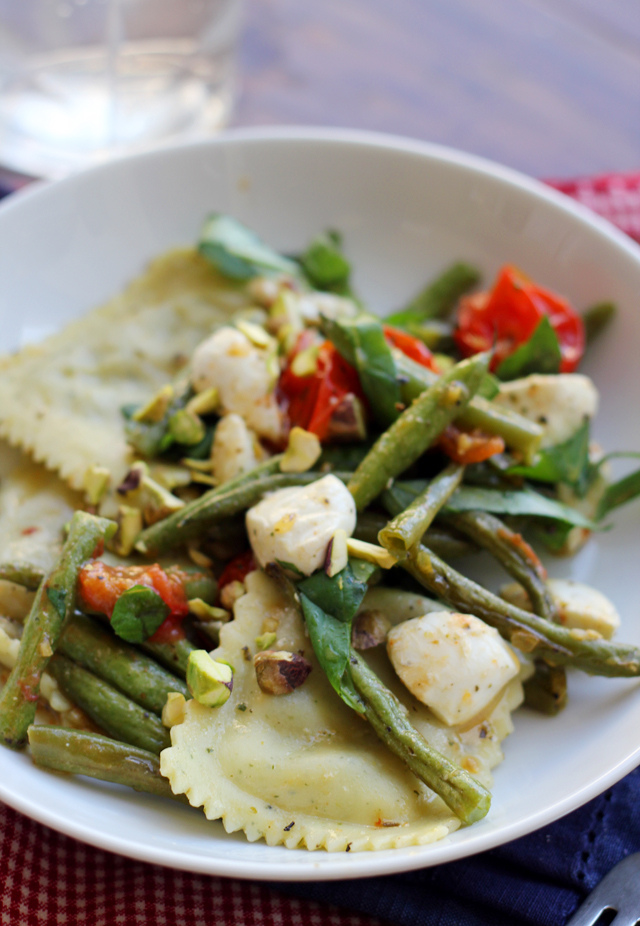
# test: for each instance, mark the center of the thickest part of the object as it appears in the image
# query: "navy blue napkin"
(538, 880)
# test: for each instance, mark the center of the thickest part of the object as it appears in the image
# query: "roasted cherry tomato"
(100, 586)
(312, 400)
(237, 569)
(507, 316)
(469, 446)
(411, 347)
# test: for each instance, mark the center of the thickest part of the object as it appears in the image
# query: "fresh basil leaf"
(524, 502)
(340, 595)
(553, 534)
(290, 567)
(619, 493)
(331, 641)
(58, 598)
(329, 606)
(138, 613)
(540, 354)
(439, 297)
(362, 343)
(566, 462)
(237, 252)
(324, 264)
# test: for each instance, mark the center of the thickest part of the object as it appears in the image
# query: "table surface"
(549, 87)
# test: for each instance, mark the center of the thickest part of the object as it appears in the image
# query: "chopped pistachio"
(200, 466)
(256, 333)
(266, 640)
(209, 681)
(156, 408)
(370, 629)
(371, 553)
(96, 482)
(207, 612)
(173, 710)
(170, 476)
(337, 553)
(129, 522)
(198, 557)
(303, 450)
(204, 403)
(186, 428)
(230, 593)
(348, 421)
(305, 363)
(279, 672)
(203, 479)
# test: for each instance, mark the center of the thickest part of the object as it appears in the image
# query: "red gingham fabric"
(51, 880)
(47, 879)
(616, 197)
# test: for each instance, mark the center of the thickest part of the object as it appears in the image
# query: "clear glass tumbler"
(82, 80)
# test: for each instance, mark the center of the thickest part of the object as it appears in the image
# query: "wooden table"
(550, 87)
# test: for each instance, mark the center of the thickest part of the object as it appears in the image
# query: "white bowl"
(406, 209)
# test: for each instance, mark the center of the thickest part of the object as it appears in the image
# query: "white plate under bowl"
(406, 210)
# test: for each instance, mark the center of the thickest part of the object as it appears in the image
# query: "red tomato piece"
(237, 569)
(100, 586)
(507, 316)
(467, 447)
(311, 400)
(410, 346)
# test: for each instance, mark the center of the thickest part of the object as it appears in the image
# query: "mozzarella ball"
(241, 372)
(579, 606)
(559, 404)
(235, 449)
(454, 663)
(295, 525)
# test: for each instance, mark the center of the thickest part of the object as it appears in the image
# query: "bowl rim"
(365, 864)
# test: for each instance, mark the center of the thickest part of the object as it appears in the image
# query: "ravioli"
(60, 400)
(302, 770)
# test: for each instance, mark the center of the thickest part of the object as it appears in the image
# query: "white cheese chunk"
(242, 373)
(579, 606)
(560, 404)
(454, 663)
(295, 525)
(235, 449)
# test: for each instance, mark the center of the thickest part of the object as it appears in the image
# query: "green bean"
(439, 297)
(116, 662)
(173, 655)
(596, 318)
(408, 527)
(229, 499)
(442, 541)
(416, 429)
(517, 431)
(52, 606)
(462, 794)
(512, 551)
(78, 752)
(546, 690)
(112, 711)
(554, 643)
(24, 574)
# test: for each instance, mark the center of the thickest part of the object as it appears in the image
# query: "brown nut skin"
(279, 672)
(370, 629)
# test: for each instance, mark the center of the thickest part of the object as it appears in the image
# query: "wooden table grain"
(550, 87)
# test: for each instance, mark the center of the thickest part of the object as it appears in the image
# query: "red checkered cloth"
(616, 197)
(47, 878)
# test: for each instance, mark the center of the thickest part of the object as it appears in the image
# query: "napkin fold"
(538, 880)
